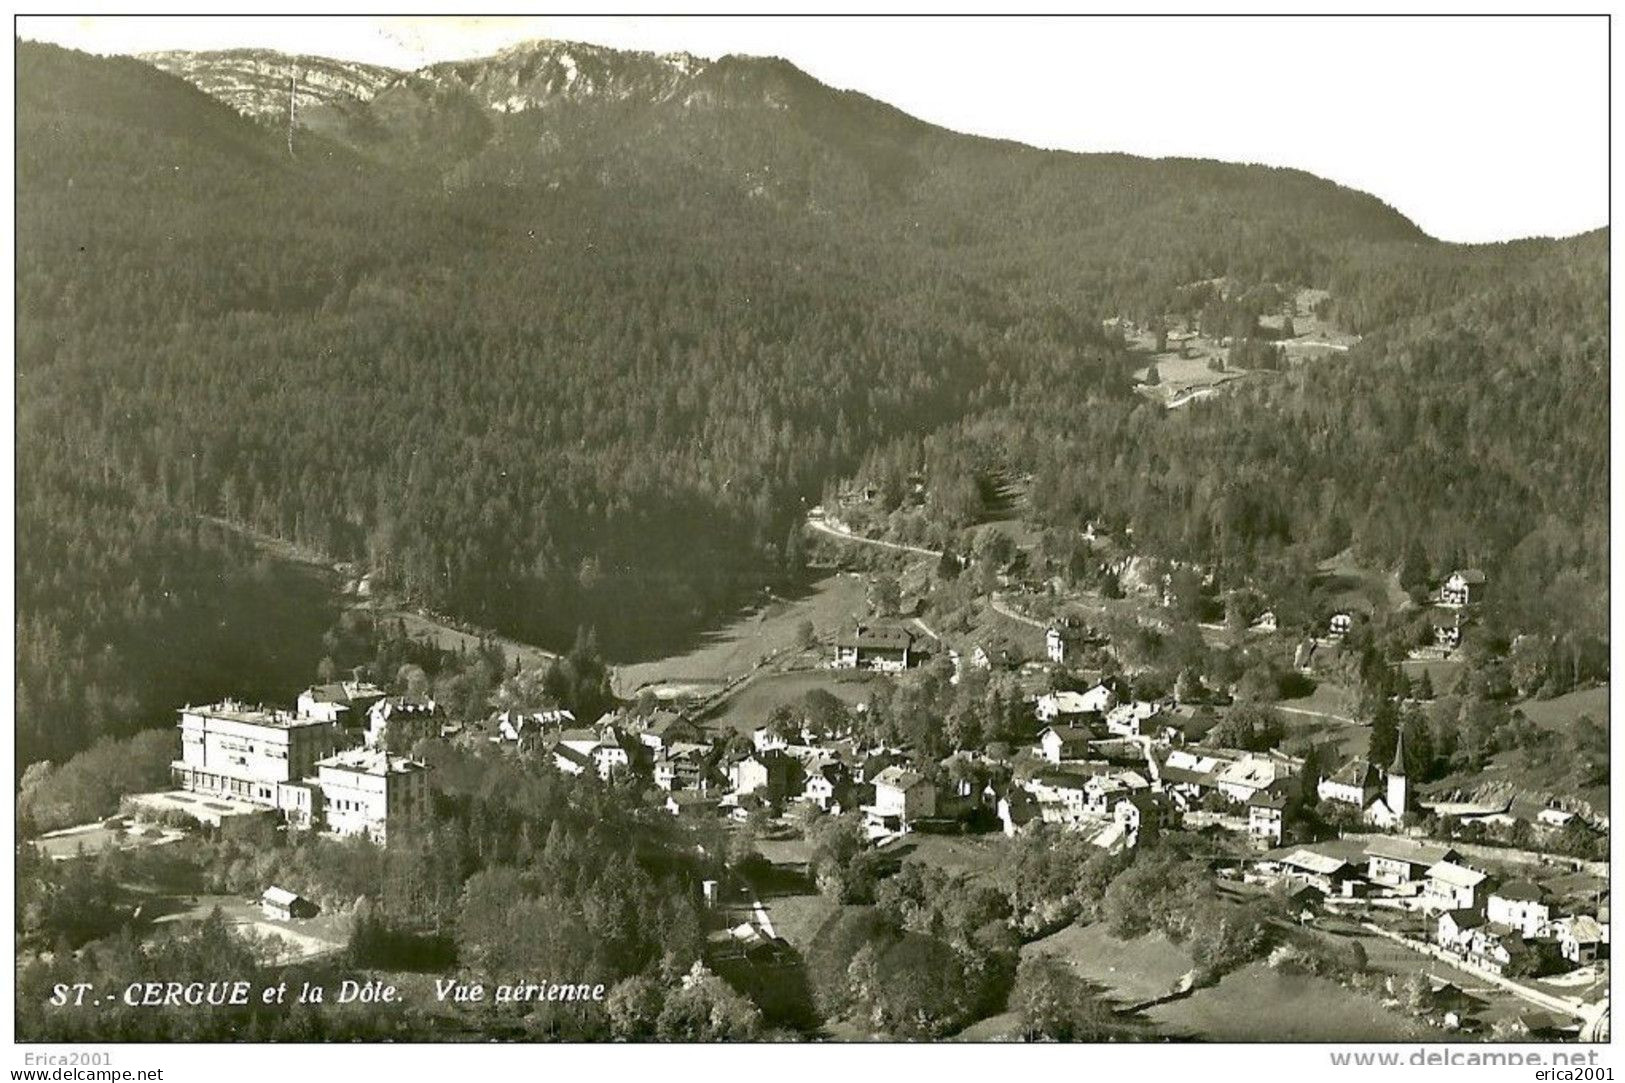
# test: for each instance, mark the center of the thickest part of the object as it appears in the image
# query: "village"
(1103, 762)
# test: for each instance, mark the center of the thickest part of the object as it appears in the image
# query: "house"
(280, 904)
(827, 784)
(613, 753)
(1060, 743)
(1266, 817)
(1554, 817)
(1238, 780)
(883, 647)
(605, 752)
(402, 721)
(1403, 861)
(1055, 645)
(1447, 628)
(1522, 905)
(1128, 719)
(1063, 796)
(1450, 886)
(1139, 814)
(1581, 939)
(663, 728)
(685, 766)
(1339, 625)
(902, 796)
(688, 805)
(1265, 623)
(1462, 588)
(1184, 725)
(767, 775)
(1328, 874)
(1356, 783)
(1454, 929)
(1496, 947)
(1016, 809)
(1064, 706)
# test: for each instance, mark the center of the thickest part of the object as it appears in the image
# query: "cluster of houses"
(1476, 918)
(324, 766)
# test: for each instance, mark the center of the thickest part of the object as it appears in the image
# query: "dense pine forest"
(584, 358)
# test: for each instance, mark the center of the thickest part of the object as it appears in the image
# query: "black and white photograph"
(961, 530)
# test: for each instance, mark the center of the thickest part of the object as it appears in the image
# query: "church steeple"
(1399, 788)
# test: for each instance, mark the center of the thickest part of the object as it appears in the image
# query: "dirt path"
(997, 605)
(834, 528)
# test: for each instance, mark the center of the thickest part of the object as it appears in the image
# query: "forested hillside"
(570, 337)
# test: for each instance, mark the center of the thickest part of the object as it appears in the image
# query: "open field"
(1130, 971)
(977, 855)
(1257, 1003)
(1560, 712)
(294, 941)
(1350, 585)
(739, 646)
(750, 706)
(91, 839)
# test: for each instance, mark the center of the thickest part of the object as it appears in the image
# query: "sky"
(1478, 129)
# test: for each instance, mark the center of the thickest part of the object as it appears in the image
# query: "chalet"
(1522, 905)
(901, 797)
(1340, 625)
(1058, 744)
(1464, 587)
(881, 647)
(1266, 817)
(571, 760)
(1403, 861)
(1357, 783)
(1450, 886)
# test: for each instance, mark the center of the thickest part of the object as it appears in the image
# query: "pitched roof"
(899, 777)
(1520, 891)
(1465, 918)
(1456, 875)
(1310, 861)
(878, 637)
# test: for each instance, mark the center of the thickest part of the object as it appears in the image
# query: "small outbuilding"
(280, 904)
